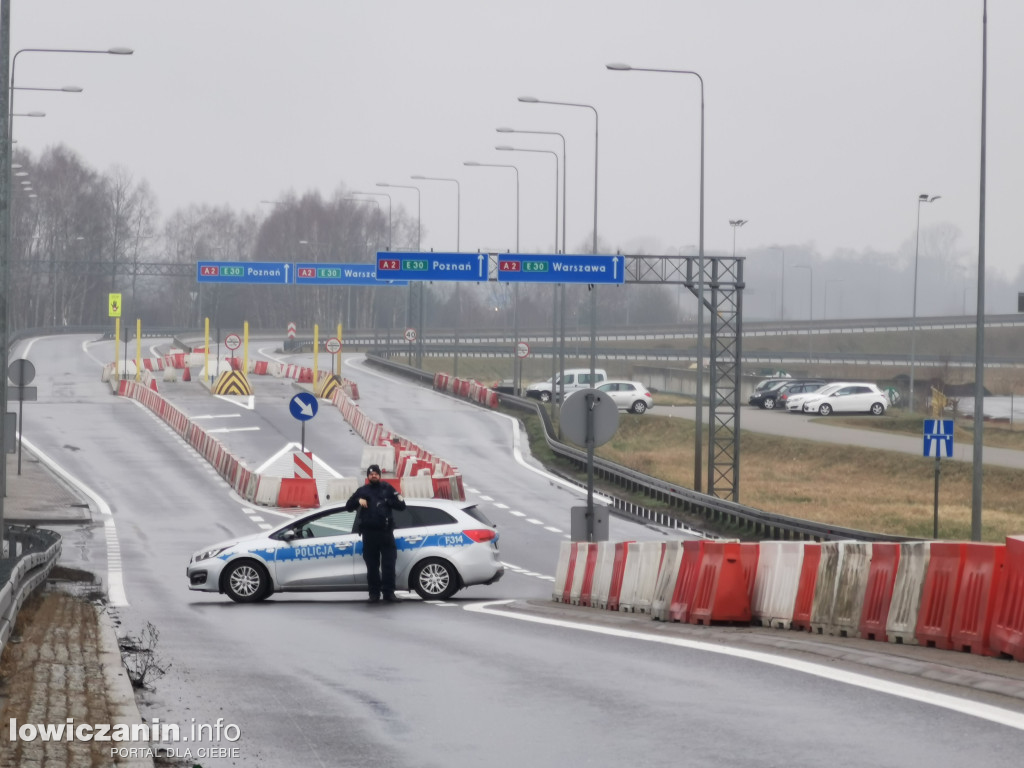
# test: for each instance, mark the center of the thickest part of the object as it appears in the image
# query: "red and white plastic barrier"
(953, 595)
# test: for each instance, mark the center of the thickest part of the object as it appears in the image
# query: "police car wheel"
(435, 580)
(246, 582)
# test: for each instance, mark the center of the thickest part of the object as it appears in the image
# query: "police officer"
(373, 504)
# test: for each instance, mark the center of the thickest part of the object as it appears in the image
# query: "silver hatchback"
(443, 546)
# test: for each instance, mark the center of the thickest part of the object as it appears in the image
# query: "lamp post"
(515, 290)
(810, 305)
(505, 148)
(913, 322)
(408, 313)
(62, 89)
(699, 438)
(6, 147)
(593, 289)
(557, 290)
(735, 224)
(782, 283)
(381, 194)
(458, 248)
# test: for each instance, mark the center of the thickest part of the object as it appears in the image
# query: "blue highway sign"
(936, 434)
(530, 268)
(250, 272)
(340, 274)
(303, 406)
(455, 267)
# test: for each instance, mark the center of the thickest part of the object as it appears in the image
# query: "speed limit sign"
(410, 334)
(522, 350)
(333, 345)
(232, 341)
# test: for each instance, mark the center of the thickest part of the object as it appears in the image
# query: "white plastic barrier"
(381, 455)
(776, 583)
(267, 491)
(667, 576)
(565, 552)
(825, 587)
(170, 374)
(418, 487)
(579, 572)
(651, 557)
(630, 578)
(901, 625)
(602, 574)
(337, 489)
(854, 567)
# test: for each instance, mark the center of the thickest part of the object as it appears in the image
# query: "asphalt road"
(328, 680)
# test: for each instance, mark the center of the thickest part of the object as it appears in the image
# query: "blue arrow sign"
(340, 274)
(530, 268)
(454, 267)
(303, 406)
(936, 434)
(250, 272)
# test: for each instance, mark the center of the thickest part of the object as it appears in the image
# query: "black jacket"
(381, 499)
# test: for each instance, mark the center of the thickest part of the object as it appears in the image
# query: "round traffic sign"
(333, 345)
(585, 404)
(303, 406)
(410, 334)
(21, 372)
(232, 341)
(522, 350)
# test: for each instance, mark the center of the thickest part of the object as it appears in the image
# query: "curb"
(120, 694)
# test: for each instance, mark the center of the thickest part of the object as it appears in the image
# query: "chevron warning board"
(232, 383)
(327, 386)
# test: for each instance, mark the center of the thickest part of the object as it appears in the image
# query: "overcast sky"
(824, 119)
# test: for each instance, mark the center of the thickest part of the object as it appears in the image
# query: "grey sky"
(824, 120)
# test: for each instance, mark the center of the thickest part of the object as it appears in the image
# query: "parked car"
(443, 546)
(575, 378)
(795, 388)
(628, 395)
(795, 403)
(850, 398)
(768, 398)
(772, 382)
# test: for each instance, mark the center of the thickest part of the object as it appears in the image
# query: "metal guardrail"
(744, 520)
(34, 552)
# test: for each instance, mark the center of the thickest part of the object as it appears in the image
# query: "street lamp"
(810, 286)
(458, 248)
(593, 288)
(382, 194)
(6, 151)
(782, 283)
(735, 224)
(515, 293)
(557, 318)
(63, 89)
(913, 324)
(698, 441)
(408, 313)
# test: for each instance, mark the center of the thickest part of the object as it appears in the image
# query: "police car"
(443, 546)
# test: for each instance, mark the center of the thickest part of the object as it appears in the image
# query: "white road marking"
(552, 529)
(487, 498)
(115, 576)
(535, 521)
(216, 416)
(500, 506)
(517, 513)
(964, 706)
(232, 429)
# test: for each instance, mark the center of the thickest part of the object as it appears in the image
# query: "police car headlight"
(206, 554)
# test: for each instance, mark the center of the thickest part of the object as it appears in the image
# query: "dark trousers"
(379, 554)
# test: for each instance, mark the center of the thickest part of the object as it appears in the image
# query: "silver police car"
(443, 546)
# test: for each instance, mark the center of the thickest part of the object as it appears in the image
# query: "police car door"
(322, 554)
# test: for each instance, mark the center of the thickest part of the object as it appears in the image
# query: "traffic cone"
(186, 376)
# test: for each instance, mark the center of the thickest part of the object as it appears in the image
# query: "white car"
(443, 546)
(795, 403)
(849, 398)
(575, 378)
(628, 395)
